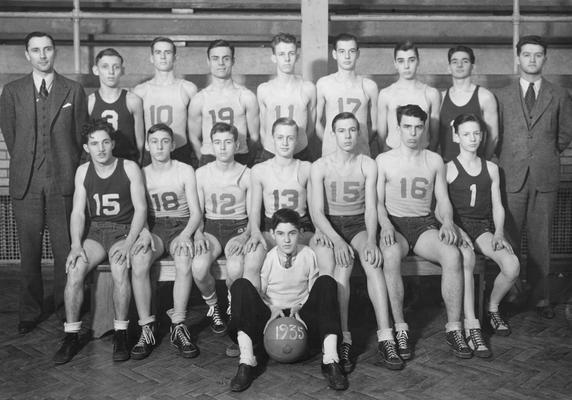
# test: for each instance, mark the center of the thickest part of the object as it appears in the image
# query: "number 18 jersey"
(166, 191)
(224, 198)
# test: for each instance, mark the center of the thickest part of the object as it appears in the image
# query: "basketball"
(286, 339)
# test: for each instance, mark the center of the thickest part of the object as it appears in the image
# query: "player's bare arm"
(195, 123)
(77, 218)
(434, 98)
(135, 107)
(490, 116)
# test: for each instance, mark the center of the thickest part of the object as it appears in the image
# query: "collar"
(38, 80)
(524, 86)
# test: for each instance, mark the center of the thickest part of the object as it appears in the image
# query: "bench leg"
(102, 311)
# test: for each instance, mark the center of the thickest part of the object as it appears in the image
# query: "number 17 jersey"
(166, 191)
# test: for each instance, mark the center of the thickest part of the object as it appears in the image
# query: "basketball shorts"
(167, 229)
(306, 224)
(412, 227)
(225, 229)
(107, 233)
(474, 227)
(347, 226)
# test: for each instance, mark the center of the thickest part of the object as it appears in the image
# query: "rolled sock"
(246, 349)
(330, 349)
(494, 307)
(453, 326)
(347, 337)
(120, 325)
(177, 316)
(72, 327)
(211, 300)
(146, 321)
(385, 334)
(401, 326)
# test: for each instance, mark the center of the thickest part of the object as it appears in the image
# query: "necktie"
(530, 97)
(288, 262)
(43, 90)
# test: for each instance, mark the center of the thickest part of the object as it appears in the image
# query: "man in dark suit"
(536, 126)
(41, 116)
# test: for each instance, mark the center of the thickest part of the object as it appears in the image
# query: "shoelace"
(146, 337)
(497, 320)
(459, 341)
(215, 315)
(389, 348)
(477, 338)
(402, 337)
(345, 351)
(181, 332)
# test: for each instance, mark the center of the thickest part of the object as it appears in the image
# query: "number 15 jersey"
(166, 191)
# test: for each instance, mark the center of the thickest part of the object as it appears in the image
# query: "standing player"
(344, 208)
(346, 91)
(120, 108)
(166, 99)
(223, 100)
(113, 192)
(407, 90)
(287, 95)
(408, 177)
(475, 193)
(175, 215)
(464, 97)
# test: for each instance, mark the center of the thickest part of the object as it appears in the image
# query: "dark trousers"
(42, 205)
(536, 210)
(320, 312)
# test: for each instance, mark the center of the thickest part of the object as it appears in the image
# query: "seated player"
(290, 284)
(113, 192)
(344, 209)
(408, 177)
(475, 194)
(174, 217)
(223, 187)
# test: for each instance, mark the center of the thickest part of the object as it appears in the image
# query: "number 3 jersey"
(471, 195)
(166, 191)
(224, 198)
(344, 189)
(109, 199)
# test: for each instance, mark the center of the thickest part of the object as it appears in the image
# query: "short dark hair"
(160, 127)
(404, 46)
(342, 116)
(94, 125)
(283, 38)
(37, 34)
(467, 117)
(108, 52)
(285, 216)
(344, 37)
(410, 110)
(163, 39)
(220, 43)
(464, 49)
(531, 39)
(224, 127)
(284, 121)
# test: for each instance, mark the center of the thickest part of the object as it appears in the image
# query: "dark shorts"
(474, 227)
(306, 224)
(225, 229)
(412, 227)
(347, 226)
(239, 158)
(168, 229)
(107, 233)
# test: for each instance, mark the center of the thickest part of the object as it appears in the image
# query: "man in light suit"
(536, 126)
(41, 116)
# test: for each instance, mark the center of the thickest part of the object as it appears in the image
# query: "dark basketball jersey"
(449, 111)
(471, 195)
(118, 115)
(109, 199)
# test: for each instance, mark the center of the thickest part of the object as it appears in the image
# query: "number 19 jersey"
(166, 191)
(224, 198)
(344, 190)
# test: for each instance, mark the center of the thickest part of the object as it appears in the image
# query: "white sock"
(72, 327)
(120, 325)
(330, 349)
(246, 349)
(346, 337)
(453, 326)
(385, 334)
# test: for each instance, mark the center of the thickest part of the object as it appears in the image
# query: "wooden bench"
(164, 271)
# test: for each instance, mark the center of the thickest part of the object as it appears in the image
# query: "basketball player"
(346, 91)
(122, 109)
(287, 95)
(343, 207)
(113, 192)
(175, 215)
(407, 90)
(290, 285)
(475, 193)
(224, 100)
(464, 97)
(409, 175)
(166, 98)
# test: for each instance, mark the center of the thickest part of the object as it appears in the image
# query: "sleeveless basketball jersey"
(224, 107)
(109, 199)
(224, 198)
(119, 116)
(450, 111)
(283, 193)
(409, 189)
(393, 137)
(354, 100)
(471, 195)
(291, 104)
(345, 190)
(166, 191)
(167, 104)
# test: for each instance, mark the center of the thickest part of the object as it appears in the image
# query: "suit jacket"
(533, 143)
(67, 114)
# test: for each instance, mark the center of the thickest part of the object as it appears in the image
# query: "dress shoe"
(243, 378)
(26, 327)
(69, 348)
(334, 373)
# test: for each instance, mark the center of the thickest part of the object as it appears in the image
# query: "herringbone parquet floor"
(535, 362)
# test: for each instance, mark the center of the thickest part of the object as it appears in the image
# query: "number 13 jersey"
(166, 191)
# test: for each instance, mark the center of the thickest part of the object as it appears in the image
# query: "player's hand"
(74, 254)
(275, 312)
(144, 242)
(202, 244)
(448, 234)
(120, 254)
(255, 239)
(322, 240)
(236, 246)
(372, 254)
(464, 239)
(183, 246)
(498, 242)
(387, 235)
(343, 253)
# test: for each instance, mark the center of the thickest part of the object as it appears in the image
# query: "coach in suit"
(41, 116)
(536, 126)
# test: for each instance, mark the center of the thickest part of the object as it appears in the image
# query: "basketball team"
(229, 173)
